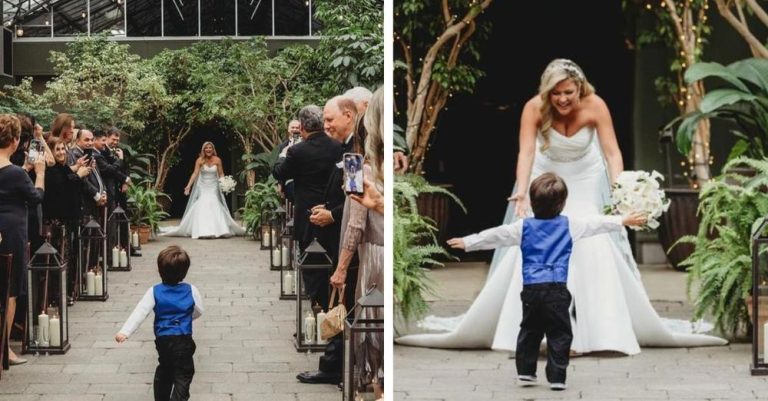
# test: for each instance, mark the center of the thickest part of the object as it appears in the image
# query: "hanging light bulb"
(119, 2)
(46, 22)
(19, 31)
(83, 14)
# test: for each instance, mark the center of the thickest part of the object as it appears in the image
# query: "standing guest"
(62, 202)
(294, 137)
(113, 143)
(175, 304)
(339, 115)
(364, 235)
(17, 193)
(361, 96)
(94, 194)
(110, 167)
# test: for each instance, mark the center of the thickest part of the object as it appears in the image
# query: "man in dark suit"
(294, 137)
(339, 116)
(94, 192)
(111, 168)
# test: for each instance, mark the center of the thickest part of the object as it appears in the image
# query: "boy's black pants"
(545, 311)
(174, 373)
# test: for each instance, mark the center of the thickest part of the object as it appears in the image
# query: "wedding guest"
(94, 195)
(361, 96)
(113, 143)
(364, 234)
(175, 304)
(17, 194)
(110, 167)
(294, 137)
(546, 241)
(63, 126)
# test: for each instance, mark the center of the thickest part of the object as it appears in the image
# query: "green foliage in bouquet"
(263, 196)
(415, 245)
(720, 264)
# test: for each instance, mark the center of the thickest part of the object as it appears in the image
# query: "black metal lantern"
(288, 270)
(91, 275)
(48, 327)
(759, 305)
(313, 259)
(266, 230)
(364, 349)
(135, 243)
(276, 249)
(119, 241)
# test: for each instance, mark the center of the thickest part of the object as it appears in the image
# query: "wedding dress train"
(207, 214)
(610, 310)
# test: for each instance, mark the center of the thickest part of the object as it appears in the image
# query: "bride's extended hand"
(186, 190)
(522, 204)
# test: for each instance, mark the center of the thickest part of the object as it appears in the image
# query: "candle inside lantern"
(765, 342)
(42, 329)
(98, 284)
(115, 256)
(54, 330)
(90, 283)
(320, 320)
(309, 328)
(265, 238)
(284, 253)
(276, 256)
(135, 239)
(123, 258)
(288, 283)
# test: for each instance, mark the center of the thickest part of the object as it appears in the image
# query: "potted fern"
(263, 196)
(147, 213)
(415, 245)
(720, 267)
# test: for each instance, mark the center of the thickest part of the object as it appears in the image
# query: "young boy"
(546, 241)
(175, 305)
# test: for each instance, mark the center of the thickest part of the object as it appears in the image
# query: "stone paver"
(244, 340)
(713, 373)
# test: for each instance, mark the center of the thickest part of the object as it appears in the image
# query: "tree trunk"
(163, 165)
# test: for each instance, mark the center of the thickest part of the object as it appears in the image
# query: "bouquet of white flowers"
(639, 192)
(227, 184)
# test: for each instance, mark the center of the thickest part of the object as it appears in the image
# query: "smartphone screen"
(35, 150)
(88, 154)
(353, 173)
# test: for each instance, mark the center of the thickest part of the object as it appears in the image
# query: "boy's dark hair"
(548, 193)
(173, 264)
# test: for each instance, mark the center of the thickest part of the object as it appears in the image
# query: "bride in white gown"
(207, 214)
(567, 129)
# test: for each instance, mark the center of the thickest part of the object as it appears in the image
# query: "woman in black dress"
(61, 204)
(16, 193)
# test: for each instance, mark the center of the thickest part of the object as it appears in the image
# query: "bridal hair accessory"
(227, 184)
(639, 192)
(568, 66)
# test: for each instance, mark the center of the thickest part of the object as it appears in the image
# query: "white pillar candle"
(320, 320)
(90, 283)
(42, 329)
(123, 258)
(288, 283)
(765, 342)
(266, 239)
(135, 239)
(276, 256)
(284, 254)
(99, 285)
(54, 330)
(115, 256)
(309, 328)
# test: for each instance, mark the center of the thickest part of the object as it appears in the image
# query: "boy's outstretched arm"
(504, 235)
(601, 224)
(199, 307)
(140, 313)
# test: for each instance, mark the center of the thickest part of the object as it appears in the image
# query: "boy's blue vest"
(174, 306)
(546, 247)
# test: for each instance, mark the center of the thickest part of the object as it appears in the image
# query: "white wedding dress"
(610, 310)
(207, 214)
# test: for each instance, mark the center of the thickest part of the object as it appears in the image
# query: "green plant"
(743, 102)
(260, 164)
(146, 210)
(720, 265)
(415, 244)
(262, 197)
(139, 164)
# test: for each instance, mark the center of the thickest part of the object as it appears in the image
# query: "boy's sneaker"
(526, 380)
(557, 386)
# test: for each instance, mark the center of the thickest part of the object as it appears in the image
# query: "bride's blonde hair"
(557, 71)
(202, 150)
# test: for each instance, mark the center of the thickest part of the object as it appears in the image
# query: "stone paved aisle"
(714, 373)
(244, 339)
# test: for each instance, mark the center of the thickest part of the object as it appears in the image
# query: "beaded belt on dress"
(549, 156)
